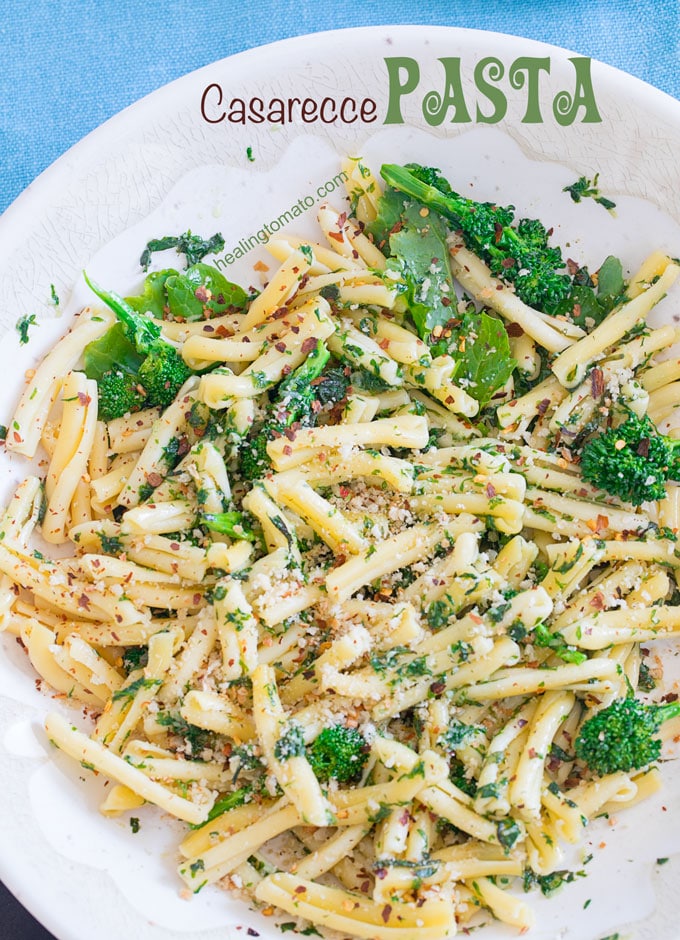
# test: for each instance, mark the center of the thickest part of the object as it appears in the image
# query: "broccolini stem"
(668, 711)
(406, 182)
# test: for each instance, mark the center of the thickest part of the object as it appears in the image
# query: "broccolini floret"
(119, 392)
(517, 253)
(233, 524)
(622, 736)
(339, 753)
(632, 461)
(293, 406)
(123, 387)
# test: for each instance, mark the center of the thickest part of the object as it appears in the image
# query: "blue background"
(66, 67)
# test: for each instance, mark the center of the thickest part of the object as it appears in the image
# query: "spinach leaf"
(390, 208)
(153, 299)
(588, 308)
(420, 255)
(610, 282)
(202, 291)
(113, 350)
(484, 364)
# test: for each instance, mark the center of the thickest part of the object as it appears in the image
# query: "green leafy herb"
(134, 824)
(543, 637)
(128, 692)
(23, 325)
(507, 832)
(584, 188)
(135, 657)
(193, 247)
(197, 738)
(291, 743)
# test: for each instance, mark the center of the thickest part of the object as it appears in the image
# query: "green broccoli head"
(517, 253)
(632, 461)
(621, 737)
(339, 753)
(254, 460)
(119, 393)
(163, 373)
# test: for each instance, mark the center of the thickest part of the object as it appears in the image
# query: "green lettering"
(494, 73)
(526, 71)
(397, 65)
(436, 106)
(566, 106)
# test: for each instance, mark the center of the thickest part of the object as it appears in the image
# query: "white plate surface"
(160, 168)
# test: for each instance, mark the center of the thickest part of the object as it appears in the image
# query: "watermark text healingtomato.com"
(263, 234)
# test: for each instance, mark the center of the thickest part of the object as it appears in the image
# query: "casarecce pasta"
(343, 520)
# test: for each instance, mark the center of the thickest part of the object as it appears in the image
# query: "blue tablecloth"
(68, 65)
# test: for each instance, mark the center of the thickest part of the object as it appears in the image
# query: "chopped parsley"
(23, 325)
(584, 188)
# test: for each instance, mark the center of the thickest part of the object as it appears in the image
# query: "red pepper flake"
(288, 450)
(84, 601)
(300, 889)
(490, 490)
(154, 479)
(380, 873)
(572, 266)
(84, 399)
(201, 294)
(295, 329)
(598, 601)
(342, 218)
(446, 302)
(508, 263)
(17, 437)
(384, 344)
(279, 313)
(280, 347)
(576, 311)
(290, 434)
(514, 329)
(543, 406)
(309, 345)
(196, 599)
(598, 525)
(437, 688)
(174, 546)
(597, 383)
(643, 447)
(286, 370)
(385, 913)
(498, 231)
(260, 266)
(336, 236)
